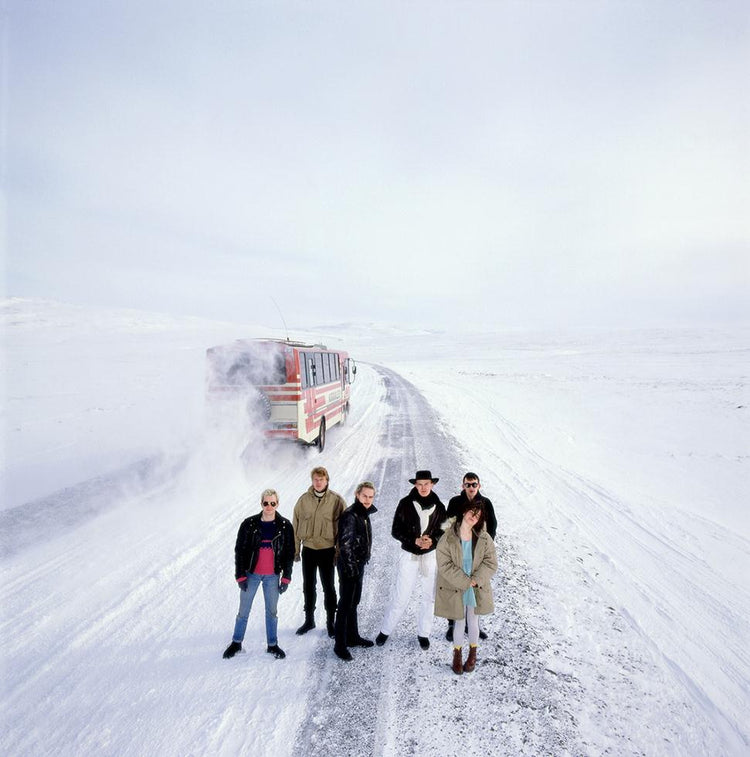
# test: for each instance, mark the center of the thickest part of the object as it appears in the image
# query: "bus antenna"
(281, 315)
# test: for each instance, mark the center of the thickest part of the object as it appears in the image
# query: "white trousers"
(412, 569)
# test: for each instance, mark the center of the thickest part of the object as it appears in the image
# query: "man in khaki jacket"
(315, 521)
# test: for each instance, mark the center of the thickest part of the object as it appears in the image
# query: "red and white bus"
(299, 390)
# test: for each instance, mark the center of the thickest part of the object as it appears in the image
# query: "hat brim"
(414, 480)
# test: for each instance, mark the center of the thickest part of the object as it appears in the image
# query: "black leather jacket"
(456, 509)
(247, 547)
(407, 526)
(354, 541)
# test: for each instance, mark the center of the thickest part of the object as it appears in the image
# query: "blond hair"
(269, 493)
(364, 485)
(319, 471)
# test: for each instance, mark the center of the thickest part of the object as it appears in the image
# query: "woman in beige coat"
(466, 562)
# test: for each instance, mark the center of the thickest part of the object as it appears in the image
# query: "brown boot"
(457, 661)
(471, 660)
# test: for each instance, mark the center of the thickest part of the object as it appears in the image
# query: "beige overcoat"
(452, 582)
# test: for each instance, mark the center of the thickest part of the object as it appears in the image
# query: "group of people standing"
(448, 554)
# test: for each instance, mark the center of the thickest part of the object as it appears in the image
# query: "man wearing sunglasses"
(263, 556)
(470, 487)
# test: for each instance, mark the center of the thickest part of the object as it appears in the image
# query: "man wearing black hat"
(417, 525)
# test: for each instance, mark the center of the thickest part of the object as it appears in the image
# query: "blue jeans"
(271, 597)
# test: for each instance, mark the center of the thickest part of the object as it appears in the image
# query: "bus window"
(318, 368)
(303, 370)
(310, 368)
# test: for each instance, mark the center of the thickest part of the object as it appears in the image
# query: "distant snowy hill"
(373, 329)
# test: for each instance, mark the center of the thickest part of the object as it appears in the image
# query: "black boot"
(343, 653)
(308, 625)
(331, 624)
(232, 650)
(359, 641)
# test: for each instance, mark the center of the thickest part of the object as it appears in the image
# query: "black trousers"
(347, 625)
(320, 561)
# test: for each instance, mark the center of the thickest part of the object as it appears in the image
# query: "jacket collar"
(477, 498)
(258, 517)
(430, 499)
(360, 509)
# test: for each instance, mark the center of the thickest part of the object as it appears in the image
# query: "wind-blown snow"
(617, 462)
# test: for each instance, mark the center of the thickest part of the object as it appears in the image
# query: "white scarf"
(424, 519)
(424, 516)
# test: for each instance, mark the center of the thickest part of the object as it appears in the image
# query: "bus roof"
(249, 343)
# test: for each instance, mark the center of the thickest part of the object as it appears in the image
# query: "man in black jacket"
(353, 549)
(263, 556)
(417, 525)
(470, 487)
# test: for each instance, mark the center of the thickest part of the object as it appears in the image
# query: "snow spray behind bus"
(299, 390)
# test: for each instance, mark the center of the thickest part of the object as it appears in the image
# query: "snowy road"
(113, 631)
(400, 700)
(114, 615)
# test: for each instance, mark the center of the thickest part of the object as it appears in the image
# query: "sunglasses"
(270, 504)
(471, 484)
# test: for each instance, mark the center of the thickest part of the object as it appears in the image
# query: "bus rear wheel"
(322, 436)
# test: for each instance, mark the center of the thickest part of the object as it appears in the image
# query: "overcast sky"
(494, 164)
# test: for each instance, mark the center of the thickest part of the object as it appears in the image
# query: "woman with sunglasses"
(263, 556)
(466, 562)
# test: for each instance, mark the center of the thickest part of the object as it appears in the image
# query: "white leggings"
(472, 621)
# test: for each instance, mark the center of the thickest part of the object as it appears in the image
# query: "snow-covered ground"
(618, 465)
